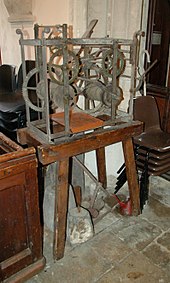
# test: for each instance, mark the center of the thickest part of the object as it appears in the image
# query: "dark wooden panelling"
(158, 24)
(20, 230)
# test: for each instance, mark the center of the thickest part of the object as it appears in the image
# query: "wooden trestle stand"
(63, 151)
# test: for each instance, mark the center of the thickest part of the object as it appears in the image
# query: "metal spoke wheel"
(57, 66)
(108, 61)
(39, 89)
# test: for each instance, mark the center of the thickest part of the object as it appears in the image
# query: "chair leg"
(122, 178)
(144, 189)
(144, 183)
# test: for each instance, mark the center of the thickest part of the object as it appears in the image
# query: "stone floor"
(123, 249)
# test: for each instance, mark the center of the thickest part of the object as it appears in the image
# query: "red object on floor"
(125, 207)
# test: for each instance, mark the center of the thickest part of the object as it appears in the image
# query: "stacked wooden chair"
(152, 147)
(12, 104)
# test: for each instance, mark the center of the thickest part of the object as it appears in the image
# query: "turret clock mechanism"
(80, 82)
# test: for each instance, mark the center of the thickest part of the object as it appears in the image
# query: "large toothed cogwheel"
(57, 66)
(55, 33)
(39, 89)
(107, 63)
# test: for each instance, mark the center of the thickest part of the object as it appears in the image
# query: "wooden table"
(62, 151)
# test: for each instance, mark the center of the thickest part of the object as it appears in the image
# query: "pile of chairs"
(12, 104)
(152, 147)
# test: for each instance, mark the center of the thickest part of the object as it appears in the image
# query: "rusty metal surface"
(77, 74)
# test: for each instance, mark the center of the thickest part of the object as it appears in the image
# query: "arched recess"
(19, 11)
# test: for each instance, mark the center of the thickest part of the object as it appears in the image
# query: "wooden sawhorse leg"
(101, 166)
(131, 174)
(60, 210)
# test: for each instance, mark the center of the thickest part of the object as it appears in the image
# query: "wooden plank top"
(49, 153)
(79, 121)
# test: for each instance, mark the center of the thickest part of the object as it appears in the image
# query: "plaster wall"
(51, 12)
(8, 43)
(41, 12)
